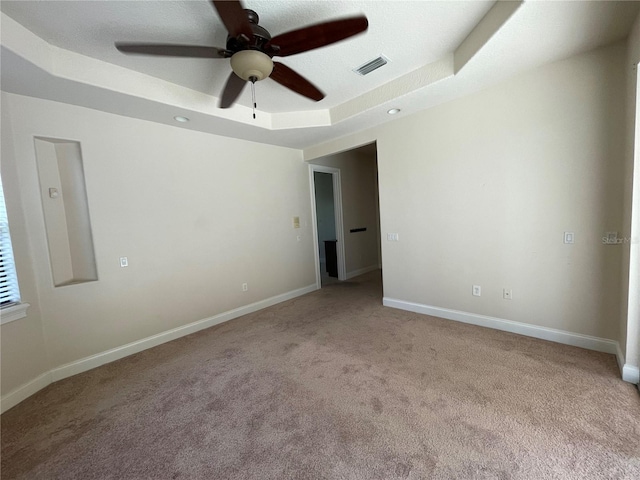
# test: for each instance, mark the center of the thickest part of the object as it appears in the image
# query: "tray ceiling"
(65, 51)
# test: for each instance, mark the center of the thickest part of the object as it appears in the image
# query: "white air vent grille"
(372, 65)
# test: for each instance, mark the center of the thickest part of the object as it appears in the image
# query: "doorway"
(327, 216)
(346, 214)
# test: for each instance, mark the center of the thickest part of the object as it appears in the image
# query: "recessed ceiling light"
(180, 119)
(393, 111)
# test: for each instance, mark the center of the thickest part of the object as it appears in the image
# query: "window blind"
(9, 292)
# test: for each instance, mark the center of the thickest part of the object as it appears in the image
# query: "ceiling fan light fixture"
(251, 63)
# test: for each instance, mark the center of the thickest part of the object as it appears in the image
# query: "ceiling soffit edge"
(486, 28)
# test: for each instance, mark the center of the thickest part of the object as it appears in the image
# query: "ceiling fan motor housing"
(260, 35)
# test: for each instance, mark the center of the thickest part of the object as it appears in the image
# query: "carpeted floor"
(334, 386)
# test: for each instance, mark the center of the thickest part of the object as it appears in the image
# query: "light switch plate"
(569, 237)
(124, 262)
(296, 222)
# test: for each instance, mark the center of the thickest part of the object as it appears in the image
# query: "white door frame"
(631, 370)
(337, 205)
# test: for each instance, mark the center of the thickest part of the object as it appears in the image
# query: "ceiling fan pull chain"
(253, 95)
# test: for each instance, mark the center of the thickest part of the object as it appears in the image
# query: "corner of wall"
(25, 361)
(630, 281)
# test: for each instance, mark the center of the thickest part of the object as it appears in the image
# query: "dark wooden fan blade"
(171, 50)
(316, 36)
(231, 91)
(294, 81)
(234, 17)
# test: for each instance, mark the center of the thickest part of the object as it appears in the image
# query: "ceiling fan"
(251, 48)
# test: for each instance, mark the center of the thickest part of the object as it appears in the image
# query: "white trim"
(23, 392)
(15, 312)
(362, 271)
(87, 363)
(620, 357)
(544, 333)
(631, 374)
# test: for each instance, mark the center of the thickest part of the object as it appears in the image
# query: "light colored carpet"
(334, 386)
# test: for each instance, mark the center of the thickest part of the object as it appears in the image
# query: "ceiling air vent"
(372, 65)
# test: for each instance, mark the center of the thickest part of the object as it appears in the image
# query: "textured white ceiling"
(420, 38)
(410, 34)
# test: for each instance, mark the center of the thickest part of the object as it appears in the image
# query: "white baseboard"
(73, 368)
(362, 271)
(544, 333)
(14, 397)
(631, 374)
(620, 357)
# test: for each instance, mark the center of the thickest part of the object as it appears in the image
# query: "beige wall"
(74, 197)
(481, 190)
(23, 353)
(358, 171)
(197, 215)
(54, 213)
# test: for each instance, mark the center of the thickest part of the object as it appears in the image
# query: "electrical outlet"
(477, 291)
(124, 262)
(393, 237)
(507, 293)
(245, 287)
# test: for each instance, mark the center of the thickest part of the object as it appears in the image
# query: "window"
(10, 304)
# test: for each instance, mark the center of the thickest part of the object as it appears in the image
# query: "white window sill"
(14, 312)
